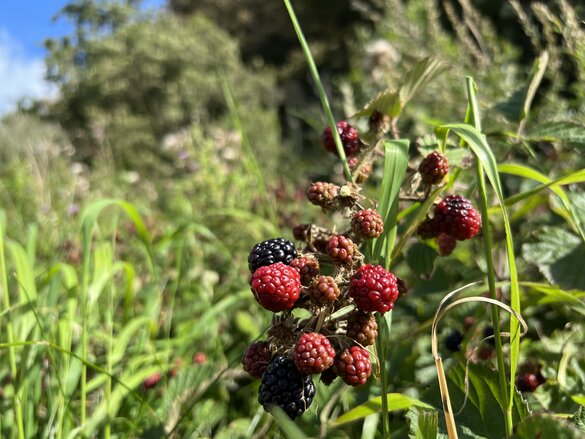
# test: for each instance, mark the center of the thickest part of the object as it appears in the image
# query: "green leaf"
(481, 413)
(395, 165)
(291, 430)
(564, 131)
(553, 294)
(579, 419)
(555, 186)
(546, 426)
(557, 253)
(396, 401)
(392, 102)
(423, 424)
(421, 259)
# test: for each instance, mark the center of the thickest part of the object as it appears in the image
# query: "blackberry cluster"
(454, 219)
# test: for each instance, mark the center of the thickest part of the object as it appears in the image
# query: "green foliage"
(124, 89)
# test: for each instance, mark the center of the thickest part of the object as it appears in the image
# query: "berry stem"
(320, 89)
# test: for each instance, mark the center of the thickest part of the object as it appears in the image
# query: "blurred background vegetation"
(204, 117)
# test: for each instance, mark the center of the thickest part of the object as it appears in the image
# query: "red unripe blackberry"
(283, 385)
(342, 250)
(367, 223)
(256, 358)
(373, 288)
(313, 353)
(353, 366)
(456, 216)
(199, 358)
(362, 327)
(276, 287)
(446, 244)
(151, 381)
(308, 267)
(322, 194)
(433, 168)
(527, 382)
(428, 229)
(271, 251)
(324, 290)
(349, 139)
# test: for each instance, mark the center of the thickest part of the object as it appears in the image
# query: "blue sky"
(24, 25)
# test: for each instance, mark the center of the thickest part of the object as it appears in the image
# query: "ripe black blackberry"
(453, 341)
(270, 252)
(283, 385)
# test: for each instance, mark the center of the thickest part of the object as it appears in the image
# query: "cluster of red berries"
(326, 276)
(454, 217)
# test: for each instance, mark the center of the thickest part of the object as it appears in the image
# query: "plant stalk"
(320, 89)
(10, 337)
(488, 248)
(382, 342)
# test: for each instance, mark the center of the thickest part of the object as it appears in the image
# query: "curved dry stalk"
(439, 314)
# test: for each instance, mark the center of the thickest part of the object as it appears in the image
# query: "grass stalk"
(84, 329)
(320, 89)
(382, 342)
(10, 337)
(488, 246)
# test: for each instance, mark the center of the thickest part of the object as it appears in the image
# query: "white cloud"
(20, 76)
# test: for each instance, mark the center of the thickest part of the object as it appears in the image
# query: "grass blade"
(395, 165)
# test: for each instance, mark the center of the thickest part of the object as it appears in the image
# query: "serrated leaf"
(392, 102)
(564, 131)
(546, 426)
(386, 102)
(579, 419)
(423, 423)
(481, 414)
(396, 401)
(559, 256)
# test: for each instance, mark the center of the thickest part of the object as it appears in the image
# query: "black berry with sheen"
(283, 385)
(271, 251)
